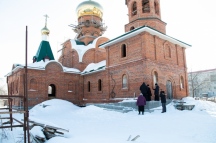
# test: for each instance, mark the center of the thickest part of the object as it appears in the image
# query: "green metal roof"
(82, 43)
(44, 50)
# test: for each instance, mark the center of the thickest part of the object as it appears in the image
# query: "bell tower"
(144, 12)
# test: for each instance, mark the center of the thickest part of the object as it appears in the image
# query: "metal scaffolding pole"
(26, 123)
(10, 98)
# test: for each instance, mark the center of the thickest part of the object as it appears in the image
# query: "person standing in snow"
(141, 102)
(149, 94)
(156, 92)
(163, 101)
(143, 90)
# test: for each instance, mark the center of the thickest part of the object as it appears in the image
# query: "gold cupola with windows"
(89, 8)
(90, 23)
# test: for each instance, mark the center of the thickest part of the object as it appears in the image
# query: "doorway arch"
(51, 91)
(169, 89)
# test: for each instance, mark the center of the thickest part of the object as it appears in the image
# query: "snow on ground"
(92, 124)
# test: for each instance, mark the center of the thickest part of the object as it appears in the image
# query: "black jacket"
(156, 90)
(143, 89)
(163, 97)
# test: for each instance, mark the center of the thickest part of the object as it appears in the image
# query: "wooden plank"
(47, 126)
(11, 112)
(11, 126)
(11, 96)
(18, 121)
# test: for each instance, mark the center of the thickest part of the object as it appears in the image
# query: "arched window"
(124, 81)
(99, 85)
(145, 6)
(155, 77)
(70, 86)
(156, 8)
(17, 85)
(12, 87)
(134, 9)
(51, 90)
(123, 51)
(181, 82)
(33, 84)
(89, 86)
(132, 28)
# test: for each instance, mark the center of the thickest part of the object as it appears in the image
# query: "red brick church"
(94, 69)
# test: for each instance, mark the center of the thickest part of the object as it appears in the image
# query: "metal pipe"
(24, 79)
(24, 108)
(26, 87)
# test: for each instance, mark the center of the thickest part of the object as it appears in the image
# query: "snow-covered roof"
(91, 68)
(95, 67)
(42, 65)
(140, 30)
(81, 48)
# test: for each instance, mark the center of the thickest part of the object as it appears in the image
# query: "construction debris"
(48, 131)
(135, 138)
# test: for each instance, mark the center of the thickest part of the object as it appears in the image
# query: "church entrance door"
(51, 91)
(169, 89)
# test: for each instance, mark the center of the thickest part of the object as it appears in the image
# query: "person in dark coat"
(163, 101)
(141, 102)
(156, 92)
(149, 94)
(143, 89)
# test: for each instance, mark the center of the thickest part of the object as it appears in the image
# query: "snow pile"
(92, 124)
(54, 106)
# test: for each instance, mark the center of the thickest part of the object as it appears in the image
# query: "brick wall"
(53, 74)
(147, 53)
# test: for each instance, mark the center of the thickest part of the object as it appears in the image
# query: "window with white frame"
(124, 81)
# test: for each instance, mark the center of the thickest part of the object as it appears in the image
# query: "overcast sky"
(190, 21)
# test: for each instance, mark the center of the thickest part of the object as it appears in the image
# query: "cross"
(46, 19)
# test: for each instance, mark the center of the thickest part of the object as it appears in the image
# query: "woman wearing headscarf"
(141, 102)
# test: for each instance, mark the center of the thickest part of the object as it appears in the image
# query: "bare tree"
(197, 82)
(3, 90)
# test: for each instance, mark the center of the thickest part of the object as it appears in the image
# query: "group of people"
(146, 94)
(146, 91)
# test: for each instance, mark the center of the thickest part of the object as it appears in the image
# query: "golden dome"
(45, 31)
(89, 8)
